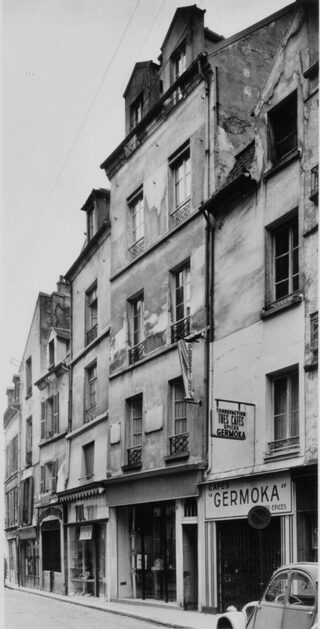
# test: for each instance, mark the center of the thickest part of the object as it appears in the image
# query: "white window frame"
(136, 210)
(290, 226)
(180, 166)
(288, 435)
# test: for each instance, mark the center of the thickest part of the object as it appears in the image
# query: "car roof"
(311, 567)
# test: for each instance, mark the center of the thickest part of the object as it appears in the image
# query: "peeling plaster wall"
(149, 166)
(245, 65)
(152, 275)
(100, 354)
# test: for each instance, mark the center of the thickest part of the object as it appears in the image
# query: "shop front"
(51, 549)
(306, 485)
(12, 572)
(241, 554)
(155, 524)
(28, 551)
(87, 515)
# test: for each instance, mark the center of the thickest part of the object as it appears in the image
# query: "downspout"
(70, 372)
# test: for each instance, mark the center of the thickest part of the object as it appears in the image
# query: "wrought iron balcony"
(90, 414)
(136, 353)
(92, 334)
(179, 444)
(180, 214)
(314, 182)
(180, 329)
(134, 456)
(283, 445)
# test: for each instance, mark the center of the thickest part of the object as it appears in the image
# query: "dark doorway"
(190, 566)
(238, 560)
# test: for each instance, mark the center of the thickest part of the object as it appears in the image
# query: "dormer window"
(136, 110)
(51, 353)
(90, 223)
(178, 66)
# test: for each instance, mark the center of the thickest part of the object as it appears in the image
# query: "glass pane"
(280, 395)
(277, 589)
(282, 268)
(281, 241)
(295, 236)
(295, 261)
(301, 591)
(280, 427)
(282, 289)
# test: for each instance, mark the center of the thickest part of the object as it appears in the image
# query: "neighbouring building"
(83, 494)
(12, 496)
(264, 352)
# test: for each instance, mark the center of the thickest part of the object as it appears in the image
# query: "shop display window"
(87, 560)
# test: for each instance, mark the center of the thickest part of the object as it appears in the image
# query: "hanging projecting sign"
(185, 356)
(233, 432)
(235, 497)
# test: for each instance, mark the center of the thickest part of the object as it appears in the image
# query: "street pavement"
(35, 609)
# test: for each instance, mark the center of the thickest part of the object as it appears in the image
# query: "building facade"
(12, 494)
(169, 387)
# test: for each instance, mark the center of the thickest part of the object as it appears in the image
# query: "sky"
(65, 66)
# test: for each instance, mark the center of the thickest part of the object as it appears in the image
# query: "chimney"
(10, 395)
(63, 287)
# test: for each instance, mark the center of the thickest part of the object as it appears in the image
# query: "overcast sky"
(66, 64)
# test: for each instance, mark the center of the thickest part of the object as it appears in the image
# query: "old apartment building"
(190, 382)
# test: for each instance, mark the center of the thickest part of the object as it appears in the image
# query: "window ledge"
(77, 431)
(284, 161)
(281, 304)
(175, 457)
(129, 468)
(55, 437)
(282, 454)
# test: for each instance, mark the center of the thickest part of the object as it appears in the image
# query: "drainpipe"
(70, 394)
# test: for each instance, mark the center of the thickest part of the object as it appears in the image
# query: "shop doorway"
(87, 560)
(238, 560)
(153, 551)
(190, 566)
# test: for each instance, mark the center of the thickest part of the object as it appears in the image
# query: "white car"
(290, 601)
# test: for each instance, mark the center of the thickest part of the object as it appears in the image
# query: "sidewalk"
(164, 615)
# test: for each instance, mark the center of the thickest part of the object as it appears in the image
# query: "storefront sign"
(185, 356)
(233, 432)
(85, 532)
(235, 498)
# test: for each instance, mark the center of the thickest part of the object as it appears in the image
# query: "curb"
(58, 597)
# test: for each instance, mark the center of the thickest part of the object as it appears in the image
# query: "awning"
(72, 495)
(153, 488)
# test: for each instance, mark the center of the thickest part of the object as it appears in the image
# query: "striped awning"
(80, 494)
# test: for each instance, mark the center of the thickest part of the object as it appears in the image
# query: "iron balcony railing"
(136, 248)
(179, 444)
(136, 353)
(90, 414)
(92, 334)
(134, 456)
(180, 329)
(283, 444)
(314, 181)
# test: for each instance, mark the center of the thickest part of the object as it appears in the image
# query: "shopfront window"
(87, 560)
(153, 551)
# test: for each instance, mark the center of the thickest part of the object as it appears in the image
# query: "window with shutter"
(43, 479)
(55, 423)
(43, 420)
(54, 467)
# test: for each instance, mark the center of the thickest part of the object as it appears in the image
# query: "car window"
(277, 589)
(302, 590)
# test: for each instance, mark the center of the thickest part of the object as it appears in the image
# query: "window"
(29, 441)
(29, 376)
(136, 329)
(283, 128)
(277, 589)
(134, 431)
(314, 331)
(302, 591)
(50, 417)
(12, 456)
(51, 541)
(285, 411)
(27, 504)
(181, 303)
(12, 507)
(136, 210)
(179, 442)
(314, 183)
(178, 66)
(90, 393)
(180, 165)
(91, 314)
(51, 353)
(90, 223)
(48, 479)
(285, 241)
(88, 461)
(136, 111)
